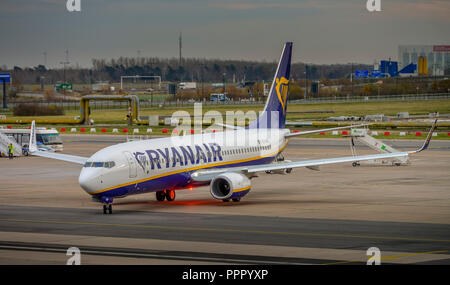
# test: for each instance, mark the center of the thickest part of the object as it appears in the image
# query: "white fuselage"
(167, 163)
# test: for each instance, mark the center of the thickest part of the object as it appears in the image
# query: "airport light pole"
(306, 81)
(203, 83)
(351, 78)
(64, 70)
(5, 106)
(223, 80)
(64, 63)
(42, 82)
(45, 58)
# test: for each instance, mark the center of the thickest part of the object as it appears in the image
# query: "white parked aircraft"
(226, 161)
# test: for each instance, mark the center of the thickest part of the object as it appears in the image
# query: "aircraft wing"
(318, 162)
(229, 126)
(322, 130)
(209, 174)
(59, 156)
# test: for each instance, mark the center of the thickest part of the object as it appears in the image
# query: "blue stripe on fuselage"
(173, 181)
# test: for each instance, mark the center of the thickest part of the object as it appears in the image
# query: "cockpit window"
(107, 164)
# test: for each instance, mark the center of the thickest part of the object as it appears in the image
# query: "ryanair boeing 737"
(226, 161)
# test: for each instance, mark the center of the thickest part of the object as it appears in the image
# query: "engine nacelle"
(230, 186)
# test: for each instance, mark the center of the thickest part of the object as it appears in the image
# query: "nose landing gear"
(107, 205)
(107, 209)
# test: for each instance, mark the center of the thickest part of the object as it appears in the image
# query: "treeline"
(171, 69)
(213, 70)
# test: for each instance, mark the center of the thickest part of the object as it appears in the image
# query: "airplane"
(226, 161)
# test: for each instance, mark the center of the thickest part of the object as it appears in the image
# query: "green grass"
(339, 109)
(102, 116)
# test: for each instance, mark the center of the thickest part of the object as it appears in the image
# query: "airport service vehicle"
(187, 85)
(45, 139)
(218, 97)
(226, 161)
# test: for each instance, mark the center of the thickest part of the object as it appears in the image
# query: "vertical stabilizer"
(274, 113)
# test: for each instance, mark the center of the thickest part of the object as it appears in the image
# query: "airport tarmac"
(331, 216)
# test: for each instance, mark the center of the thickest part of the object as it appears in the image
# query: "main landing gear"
(168, 195)
(233, 199)
(107, 205)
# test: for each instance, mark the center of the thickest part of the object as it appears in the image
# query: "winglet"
(32, 145)
(427, 141)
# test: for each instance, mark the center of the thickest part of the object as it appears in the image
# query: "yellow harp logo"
(282, 90)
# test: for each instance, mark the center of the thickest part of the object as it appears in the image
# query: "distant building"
(438, 57)
(101, 86)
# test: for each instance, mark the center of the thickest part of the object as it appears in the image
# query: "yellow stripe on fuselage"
(241, 189)
(189, 169)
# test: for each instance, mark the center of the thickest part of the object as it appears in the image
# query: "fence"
(147, 104)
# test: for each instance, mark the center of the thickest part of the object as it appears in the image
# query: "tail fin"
(274, 113)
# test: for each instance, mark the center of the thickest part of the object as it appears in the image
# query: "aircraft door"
(131, 164)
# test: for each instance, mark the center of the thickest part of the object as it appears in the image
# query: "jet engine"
(230, 186)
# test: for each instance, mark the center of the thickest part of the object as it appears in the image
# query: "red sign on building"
(441, 48)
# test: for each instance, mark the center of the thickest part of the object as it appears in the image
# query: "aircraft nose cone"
(87, 180)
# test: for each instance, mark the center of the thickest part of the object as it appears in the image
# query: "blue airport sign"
(375, 73)
(6, 77)
(361, 73)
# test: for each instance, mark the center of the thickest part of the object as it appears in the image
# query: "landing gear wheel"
(355, 164)
(107, 204)
(236, 199)
(170, 195)
(107, 209)
(160, 196)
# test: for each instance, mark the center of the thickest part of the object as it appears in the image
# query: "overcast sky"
(323, 31)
